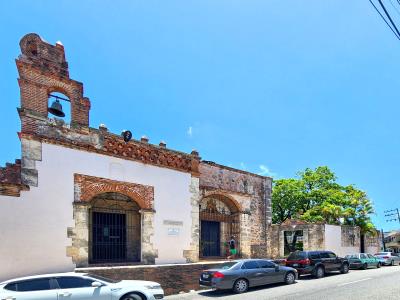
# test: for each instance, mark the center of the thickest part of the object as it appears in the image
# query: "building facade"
(81, 196)
(392, 241)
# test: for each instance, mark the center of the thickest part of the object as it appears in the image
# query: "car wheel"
(319, 272)
(365, 266)
(240, 286)
(345, 268)
(378, 265)
(290, 278)
(133, 296)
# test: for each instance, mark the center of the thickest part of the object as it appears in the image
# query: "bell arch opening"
(219, 221)
(59, 106)
(114, 229)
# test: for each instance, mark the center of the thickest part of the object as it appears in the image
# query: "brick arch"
(230, 201)
(60, 89)
(87, 187)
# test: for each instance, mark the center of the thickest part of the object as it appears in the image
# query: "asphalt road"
(383, 284)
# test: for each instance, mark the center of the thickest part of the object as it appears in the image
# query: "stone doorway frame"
(85, 189)
(230, 224)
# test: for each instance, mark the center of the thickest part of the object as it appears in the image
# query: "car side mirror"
(96, 284)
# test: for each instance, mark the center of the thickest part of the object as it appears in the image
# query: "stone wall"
(313, 237)
(373, 242)
(251, 194)
(173, 278)
(342, 240)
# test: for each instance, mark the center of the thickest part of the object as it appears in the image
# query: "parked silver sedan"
(239, 275)
(388, 258)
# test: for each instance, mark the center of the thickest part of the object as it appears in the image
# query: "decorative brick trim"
(149, 155)
(134, 150)
(86, 187)
(225, 197)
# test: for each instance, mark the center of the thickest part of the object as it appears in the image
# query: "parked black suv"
(317, 263)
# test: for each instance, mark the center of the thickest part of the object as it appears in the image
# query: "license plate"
(206, 276)
(295, 265)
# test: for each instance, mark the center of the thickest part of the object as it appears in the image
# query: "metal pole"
(383, 241)
(398, 214)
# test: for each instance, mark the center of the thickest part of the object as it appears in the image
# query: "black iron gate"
(210, 238)
(108, 237)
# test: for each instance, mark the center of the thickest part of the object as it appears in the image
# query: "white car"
(78, 286)
(388, 258)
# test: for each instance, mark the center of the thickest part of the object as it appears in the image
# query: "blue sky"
(271, 86)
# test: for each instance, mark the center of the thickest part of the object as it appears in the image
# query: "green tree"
(358, 209)
(287, 198)
(315, 196)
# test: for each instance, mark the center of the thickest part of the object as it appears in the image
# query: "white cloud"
(190, 131)
(243, 166)
(265, 171)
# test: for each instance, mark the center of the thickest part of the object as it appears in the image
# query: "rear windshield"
(226, 265)
(298, 255)
(352, 256)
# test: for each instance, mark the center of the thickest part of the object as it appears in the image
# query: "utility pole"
(383, 240)
(391, 215)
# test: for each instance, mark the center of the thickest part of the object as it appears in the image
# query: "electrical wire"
(395, 8)
(389, 17)
(383, 18)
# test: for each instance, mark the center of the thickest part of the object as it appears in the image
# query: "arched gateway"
(219, 220)
(114, 229)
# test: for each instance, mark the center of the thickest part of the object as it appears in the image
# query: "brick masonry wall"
(252, 195)
(173, 278)
(10, 179)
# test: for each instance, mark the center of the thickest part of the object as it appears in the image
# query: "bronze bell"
(56, 109)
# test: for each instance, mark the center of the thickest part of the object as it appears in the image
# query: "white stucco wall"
(333, 241)
(33, 227)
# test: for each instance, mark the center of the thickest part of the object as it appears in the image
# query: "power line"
(393, 215)
(388, 15)
(395, 8)
(383, 18)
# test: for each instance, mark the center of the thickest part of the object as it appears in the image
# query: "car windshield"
(227, 265)
(298, 255)
(105, 279)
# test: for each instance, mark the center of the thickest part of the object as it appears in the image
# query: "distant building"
(392, 241)
(82, 196)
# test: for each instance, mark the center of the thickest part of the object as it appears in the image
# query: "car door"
(79, 288)
(396, 257)
(252, 272)
(373, 260)
(32, 289)
(270, 273)
(364, 259)
(326, 261)
(336, 263)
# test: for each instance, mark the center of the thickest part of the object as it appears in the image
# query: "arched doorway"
(219, 220)
(114, 229)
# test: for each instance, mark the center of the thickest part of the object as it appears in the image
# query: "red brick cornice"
(136, 151)
(87, 187)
